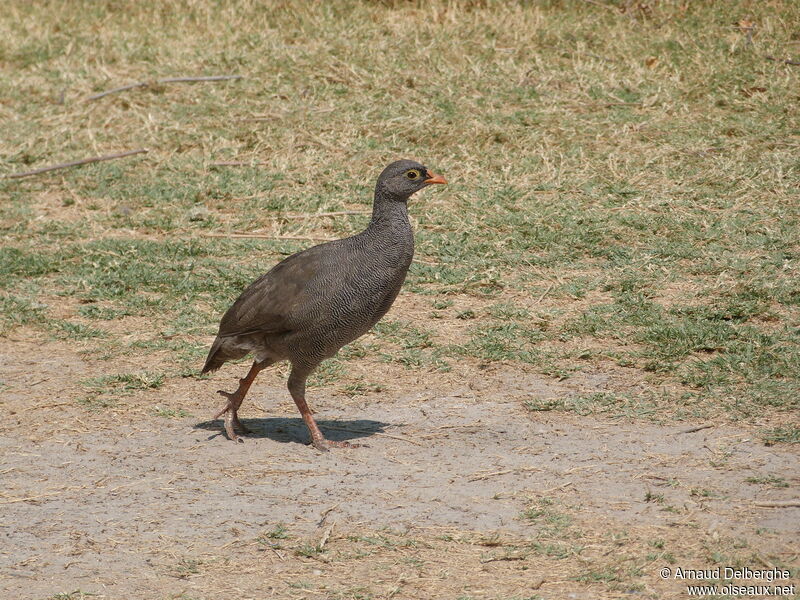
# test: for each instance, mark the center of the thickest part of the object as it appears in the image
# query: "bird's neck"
(389, 212)
(389, 235)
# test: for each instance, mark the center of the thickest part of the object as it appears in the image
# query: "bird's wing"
(266, 305)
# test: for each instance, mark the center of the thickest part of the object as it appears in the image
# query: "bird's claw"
(231, 418)
(320, 445)
(324, 445)
(227, 407)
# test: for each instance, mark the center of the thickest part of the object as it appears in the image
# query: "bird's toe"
(324, 444)
(320, 444)
(339, 444)
(229, 421)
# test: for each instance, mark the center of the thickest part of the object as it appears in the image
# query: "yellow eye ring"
(413, 174)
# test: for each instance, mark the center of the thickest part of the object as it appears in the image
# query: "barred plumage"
(314, 302)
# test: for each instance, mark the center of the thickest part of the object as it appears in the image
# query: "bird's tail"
(222, 350)
(214, 361)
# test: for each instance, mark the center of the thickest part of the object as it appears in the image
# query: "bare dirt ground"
(121, 503)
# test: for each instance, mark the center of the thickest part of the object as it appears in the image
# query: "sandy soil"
(112, 502)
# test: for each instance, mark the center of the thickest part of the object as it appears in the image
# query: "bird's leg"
(235, 401)
(297, 388)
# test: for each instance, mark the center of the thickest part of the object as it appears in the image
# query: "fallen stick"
(325, 514)
(139, 84)
(777, 503)
(265, 236)
(505, 557)
(557, 488)
(478, 475)
(693, 429)
(785, 61)
(544, 293)
(324, 539)
(237, 163)
(55, 405)
(190, 79)
(335, 213)
(76, 163)
(71, 488)
(29, 498)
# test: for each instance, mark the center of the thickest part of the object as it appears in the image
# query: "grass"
(769, 480)
(651, 175)
(103, 391)
(786, 434)
(600, 403)
(170, 413)
(279, 532)
(185, 568)
(608, 187)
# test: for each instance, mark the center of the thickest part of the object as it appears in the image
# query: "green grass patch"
(621, 182)
(105, 390)
(786, 434)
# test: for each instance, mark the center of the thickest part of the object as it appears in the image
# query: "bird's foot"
(231, 417)
(324, 445)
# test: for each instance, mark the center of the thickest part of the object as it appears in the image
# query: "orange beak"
(434, 178)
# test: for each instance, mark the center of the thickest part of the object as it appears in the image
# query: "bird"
(316, 301)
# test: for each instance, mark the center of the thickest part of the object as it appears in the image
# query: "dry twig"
(334, 213)
(504, 557)
(29, 498)
(544, 293)
(478, 476)
(237, 163)
(76, 163)
(785, 61)
(777, 503)
(558, 488)
(71, 488)
(325, 535)
(139, 84)
(693, 429)
(265, 236)
(325, 513)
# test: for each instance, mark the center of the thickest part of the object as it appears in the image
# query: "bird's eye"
(412, 175)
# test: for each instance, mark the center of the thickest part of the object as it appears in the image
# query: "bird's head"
(405, 177)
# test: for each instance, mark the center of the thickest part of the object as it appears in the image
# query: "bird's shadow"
(285, 430)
